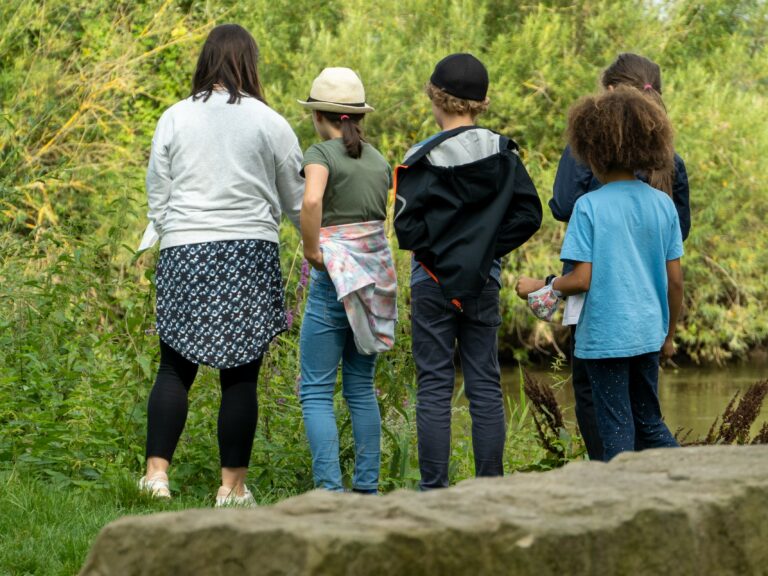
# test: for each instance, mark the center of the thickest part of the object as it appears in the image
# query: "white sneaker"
(157, 487)
(226, 498)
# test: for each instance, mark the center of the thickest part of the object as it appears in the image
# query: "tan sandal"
(157, 487)
(226, 498)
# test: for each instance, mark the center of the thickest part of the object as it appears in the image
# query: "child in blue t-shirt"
(625, 243)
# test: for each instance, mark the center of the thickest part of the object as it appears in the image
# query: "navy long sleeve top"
(574, 179)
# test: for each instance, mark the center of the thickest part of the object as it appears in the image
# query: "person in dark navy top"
(574, 179)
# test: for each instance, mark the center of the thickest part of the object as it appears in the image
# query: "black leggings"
(167, 409)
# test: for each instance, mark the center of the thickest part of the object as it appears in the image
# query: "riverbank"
(40, 509)
(691, 396)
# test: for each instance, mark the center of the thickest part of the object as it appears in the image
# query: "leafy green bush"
(82, 85)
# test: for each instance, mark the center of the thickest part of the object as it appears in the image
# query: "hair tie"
(648, 87)
(343, 117)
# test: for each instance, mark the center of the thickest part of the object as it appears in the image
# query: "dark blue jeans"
(437, 327)
(585, 405)
(625, 393)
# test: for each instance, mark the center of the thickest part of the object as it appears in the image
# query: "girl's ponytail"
(352, 134)
(351, 131)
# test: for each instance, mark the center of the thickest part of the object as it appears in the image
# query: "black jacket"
(458, 219)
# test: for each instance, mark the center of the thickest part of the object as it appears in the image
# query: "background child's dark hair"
(621, 129)
(638, 71)
(634, 70)
(351, 131)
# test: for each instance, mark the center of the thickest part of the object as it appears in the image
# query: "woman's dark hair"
(351, 131)
(229, 58)
(639, 72)
(621, 129)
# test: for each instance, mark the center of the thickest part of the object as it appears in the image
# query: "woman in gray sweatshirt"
(224, 166)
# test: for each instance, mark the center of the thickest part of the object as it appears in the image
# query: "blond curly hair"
(452, 104)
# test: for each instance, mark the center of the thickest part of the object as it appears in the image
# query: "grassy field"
(82, 85)
(48, 524)
(48, 530)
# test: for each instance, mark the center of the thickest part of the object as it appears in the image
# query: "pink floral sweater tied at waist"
(359, 261)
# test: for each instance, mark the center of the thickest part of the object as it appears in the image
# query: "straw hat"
(337, 90)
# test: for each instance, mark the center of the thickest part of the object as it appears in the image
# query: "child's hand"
(527, 285)
(668, 349)
(316, 260)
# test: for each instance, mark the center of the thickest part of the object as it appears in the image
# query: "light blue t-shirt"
(628, 231)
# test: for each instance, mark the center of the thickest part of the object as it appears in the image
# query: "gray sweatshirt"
(221, 171)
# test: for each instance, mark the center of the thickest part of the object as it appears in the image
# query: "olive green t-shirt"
(357, 187)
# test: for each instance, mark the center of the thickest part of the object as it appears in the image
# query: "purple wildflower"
(289, 318)
(304, 278)
(378, 392)
(281, 401)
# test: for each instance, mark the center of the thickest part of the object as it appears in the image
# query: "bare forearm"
(568, 285)
(674, 294)
(312, 212)
(311, 217)
(675, 298)
(575, 282)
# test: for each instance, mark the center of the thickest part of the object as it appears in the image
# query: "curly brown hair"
(453, 105)
(621, 129)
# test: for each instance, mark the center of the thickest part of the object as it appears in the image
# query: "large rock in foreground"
(697, 511)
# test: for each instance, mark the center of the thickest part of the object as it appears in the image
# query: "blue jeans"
(625, 393)
(326, 341)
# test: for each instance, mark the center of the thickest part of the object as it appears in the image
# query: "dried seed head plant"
(737, 420)
(547, 415)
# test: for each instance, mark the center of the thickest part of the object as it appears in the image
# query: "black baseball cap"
(463, 76)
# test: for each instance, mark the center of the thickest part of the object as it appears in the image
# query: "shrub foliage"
(82, 84)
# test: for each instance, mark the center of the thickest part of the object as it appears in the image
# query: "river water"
(691, 397)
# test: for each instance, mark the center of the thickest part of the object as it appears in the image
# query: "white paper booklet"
(573, 306)
(149, 239)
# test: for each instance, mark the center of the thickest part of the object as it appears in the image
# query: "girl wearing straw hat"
(351, 308)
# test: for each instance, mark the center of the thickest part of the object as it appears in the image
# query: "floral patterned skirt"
(220, 303)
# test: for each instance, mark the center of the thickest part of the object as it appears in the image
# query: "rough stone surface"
(693, 511)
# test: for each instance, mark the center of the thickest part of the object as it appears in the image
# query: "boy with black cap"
(464, 200)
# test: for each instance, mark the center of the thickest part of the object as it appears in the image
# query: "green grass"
(46, 530)
(48, 521)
